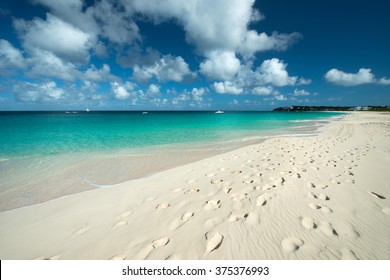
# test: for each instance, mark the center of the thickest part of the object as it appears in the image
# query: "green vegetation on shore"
(331, 108)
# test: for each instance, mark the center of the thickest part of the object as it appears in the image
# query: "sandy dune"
(320, 197)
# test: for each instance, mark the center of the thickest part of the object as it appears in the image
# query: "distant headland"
(331, 108)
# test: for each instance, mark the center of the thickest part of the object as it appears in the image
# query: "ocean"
(45, 155)
(29, 134)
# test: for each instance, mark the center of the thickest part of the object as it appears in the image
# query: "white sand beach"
(317, 197)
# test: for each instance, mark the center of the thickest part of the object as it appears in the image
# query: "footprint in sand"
(277, 180)
(336, 182)
(291, 244)
(376, 195)
(249, 189)
(119, 224)
(124, 215)
(296, 176)
(212, 204)
(143, 254)
(249, 181)
(321, 196)
(266, 187)
(311, 195)
(264, 198)
(253, 218)
(216, 181)
(163, 205)
(324, 209)
(327, 229)
(308, 223)
(81, 231)
(315, 206)
(237, 216)
(118, 258)
(310, 185)
(213, 241)
(193, 190)
(179, 222)
(238, 196)
(160, 242)
(320, 186)
(347, 230)
(347, 254)
(386, 211)
(175, 257)
(227, 190)
(347, 172)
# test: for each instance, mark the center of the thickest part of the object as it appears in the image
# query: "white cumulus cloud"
(10, 57)
(263, 91)
(198, 94)
(255, 42)
(280, 97)
(192, 98)
(46, 64)
(36, 93)
(221, 65)
(364, 76)
(384, 81)
(115, 24)
(106, 18)
(54, 35)
(270, 73)
(212, 25)
(270, 92)
(71, 11)
(154, 90)
(273, 71)
(167, 68)
(99, 75)
(227, 87)
(123, 91)
(301, 92)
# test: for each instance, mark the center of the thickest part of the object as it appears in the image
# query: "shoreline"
(51, 177)
(320, 197)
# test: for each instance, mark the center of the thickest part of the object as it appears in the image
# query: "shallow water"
(49, 155)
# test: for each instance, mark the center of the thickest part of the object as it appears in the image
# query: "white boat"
(87, 110)
(219, 112)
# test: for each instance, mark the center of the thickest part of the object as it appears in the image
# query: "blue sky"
(193, 55)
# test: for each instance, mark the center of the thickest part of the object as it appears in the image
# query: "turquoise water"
(24, 134)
